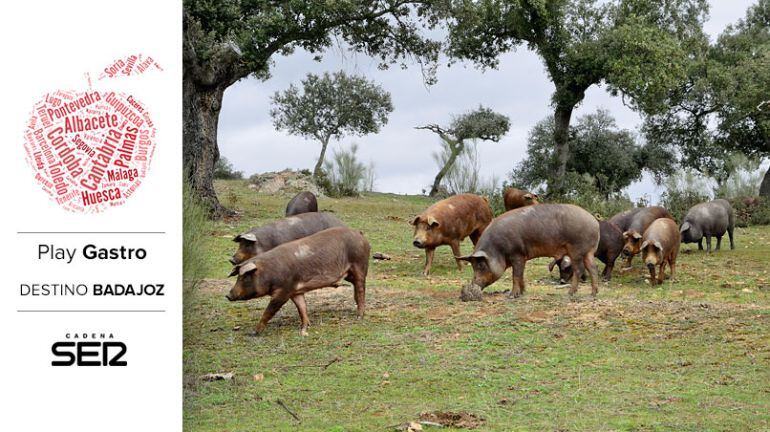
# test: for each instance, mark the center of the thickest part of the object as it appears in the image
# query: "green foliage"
(683, 191)
(479, 124)
(331, 106)
(583, 192)
(347, 175)
(223, 170)
(245, 35)
(598, 148)
(724, 105)
(195, 228)
(750, 211)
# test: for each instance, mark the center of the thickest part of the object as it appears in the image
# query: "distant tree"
(479, 124)
(637, 48)
(464, 174)
(723, 107)
(228, 40)
(331, 107)
(224, 170)
(611, 156)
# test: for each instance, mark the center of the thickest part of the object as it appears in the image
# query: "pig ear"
(529, 196)
(636, 235)
(234, 272)
(433, 222)
(657, 245)
(248, 236)
(685, 227)
(246, 267)
(565, 262)
(644, 245)
(474, 255)
(416, 220)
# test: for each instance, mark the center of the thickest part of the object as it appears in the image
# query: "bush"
(195, 225)
(586, 194)
(224, 170)
(751, 211)
(682, 192)
(345, 175)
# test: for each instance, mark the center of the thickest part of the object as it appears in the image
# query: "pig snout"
(626, 252)
(233, 261)
(650, 266)
(418, 243)
(227, 296)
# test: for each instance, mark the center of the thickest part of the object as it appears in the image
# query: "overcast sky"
(519, 88)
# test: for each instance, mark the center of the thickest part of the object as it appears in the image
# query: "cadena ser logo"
(89, 349)
(91, 149)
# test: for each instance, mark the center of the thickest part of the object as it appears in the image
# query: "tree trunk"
(201, 108)
(764, 187)
(457, 148)
(321, 157)
(562, 117)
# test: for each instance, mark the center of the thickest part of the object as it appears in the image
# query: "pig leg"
(517, 270)
(719, 242)
(359, 291)
(272, 308)
(708, 244)
(590, 264)
(428, 260)
(662, 273)
(730, 234)
(456, 251)
(700, 244)
(653, 276)
(299, 302)
(475, 235)
(607, 273)
(578, 267)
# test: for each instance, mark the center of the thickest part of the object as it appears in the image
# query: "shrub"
(347, 176)
(682, 192)
(224, 170)
(195, 225)
(585, 193)
(751, 211)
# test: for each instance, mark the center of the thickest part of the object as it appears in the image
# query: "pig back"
(623, 219)
(325, 255)
(645, 217)
(713, 217)
(610, 241)
(460, 215)
(663, 230)
(293, 228)
(542, 230)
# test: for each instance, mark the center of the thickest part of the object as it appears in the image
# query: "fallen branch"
(283, 405)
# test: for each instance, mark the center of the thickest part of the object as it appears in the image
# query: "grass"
(692, 355)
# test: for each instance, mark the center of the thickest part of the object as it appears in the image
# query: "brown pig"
(638, 224)
(544, 230)
(262, 239)
(660, 246)
(448, 222)
(290, 270)
(514, 198)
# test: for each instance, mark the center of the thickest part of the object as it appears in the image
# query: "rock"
(471, 292)
(381, 256)
(287, 182)
(217, 376)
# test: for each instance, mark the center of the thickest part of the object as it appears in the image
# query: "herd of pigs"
(308, 250)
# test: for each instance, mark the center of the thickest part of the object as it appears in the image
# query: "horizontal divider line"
(90, 232)
(92, 310)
